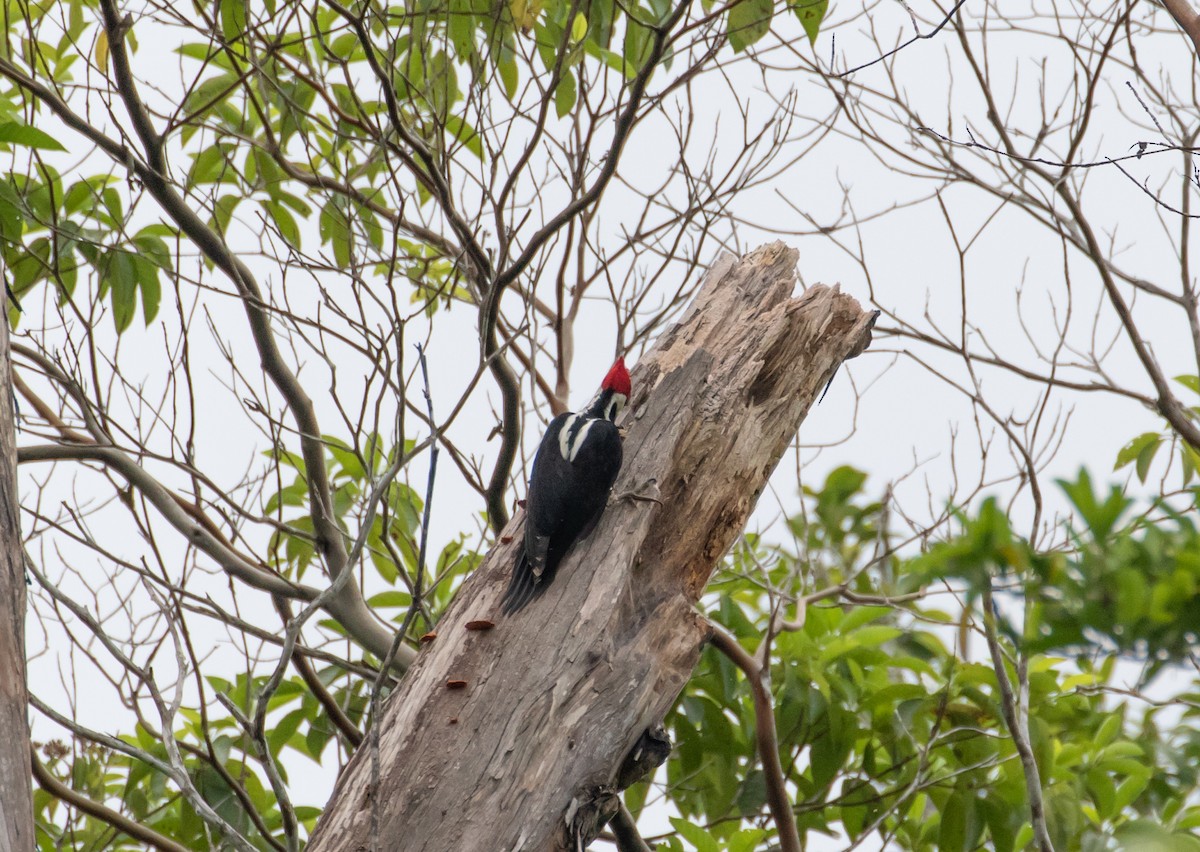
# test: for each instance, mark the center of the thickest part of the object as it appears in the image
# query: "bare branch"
(759, 679)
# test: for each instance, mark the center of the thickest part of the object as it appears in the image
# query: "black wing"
(526, 582)
(566, 499)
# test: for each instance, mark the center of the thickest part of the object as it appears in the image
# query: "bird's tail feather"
(523, 587)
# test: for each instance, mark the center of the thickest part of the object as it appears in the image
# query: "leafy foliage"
(218, 756)
(392, 542)
(276, 141)
(884, 725)
(1140, 451)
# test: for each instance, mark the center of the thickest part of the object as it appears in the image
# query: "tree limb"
(1020, 735)
(625, 832)
(16, 806)
(758, 678)
(1188, 18)
(352, 613)
(337, 715)
(120, 822)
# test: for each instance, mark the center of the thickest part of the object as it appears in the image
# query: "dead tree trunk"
(16, 798)
(495, 739)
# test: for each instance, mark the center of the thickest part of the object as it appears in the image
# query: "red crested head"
(617, 379)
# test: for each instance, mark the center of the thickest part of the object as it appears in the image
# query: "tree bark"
(16, 797)
(503, 739)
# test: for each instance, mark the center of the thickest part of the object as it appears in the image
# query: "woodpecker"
(573, 471)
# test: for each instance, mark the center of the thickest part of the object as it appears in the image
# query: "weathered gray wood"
(556, 695)
(16, 800)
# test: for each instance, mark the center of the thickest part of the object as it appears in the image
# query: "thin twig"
(336, 714)
(413, 609)
(913, 40)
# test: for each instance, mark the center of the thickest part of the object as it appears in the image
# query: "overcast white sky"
(885, 413)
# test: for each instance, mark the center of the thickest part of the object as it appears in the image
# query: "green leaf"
(1108, 731)
(210, 166)
(1119, 750)
(811, 13)
(638, 44)
(31, 265)
(952, 831)
(223, 211)
(288, 229)
(1103, 792)
(460, 25)
(282, 730)
(746, 840)
(233, 19)
(1135, 449)
(465, 133)
(861, 615)
(876, 635)
(752, 794)
(1099, 517)
(335, 230)
(101, 51)
(315, 740)
(579, 27)
(1144, 460)
(1144, 834)
(1192, 383)
(153, 257)
(121, 276)
(1129, 789)
(1191, 461)
(866, 637)
(345, 46)
(206, 96)
(506, 65)
(390, 598)
(749, 20)
(695, 835)
(22, 134)
(612, 59)
(149, 286)
(10, 219)
(635, 797)
(564, 94)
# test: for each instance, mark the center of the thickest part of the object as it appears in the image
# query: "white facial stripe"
(579, 439)
(564, 436)
(615, 405)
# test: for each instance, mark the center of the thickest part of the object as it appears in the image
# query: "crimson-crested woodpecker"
(573, 471)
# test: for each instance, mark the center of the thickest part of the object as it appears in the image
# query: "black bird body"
(574, 470)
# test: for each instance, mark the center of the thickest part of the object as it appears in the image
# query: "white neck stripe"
(579, 439)
(564, 436)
